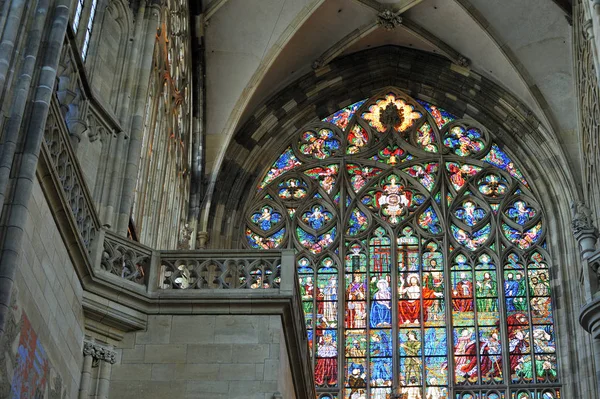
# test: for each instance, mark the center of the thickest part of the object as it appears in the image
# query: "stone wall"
(204, 356)
(41, 350)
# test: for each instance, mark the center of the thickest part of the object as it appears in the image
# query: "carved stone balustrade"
(126, 259)
(220, 270)
(60, 164)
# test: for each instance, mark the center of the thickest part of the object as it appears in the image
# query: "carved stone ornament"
(99, 352)
(463, 61)
(318, 63)
(588, 30)
(185, 236)
(581, 218)
(388, 20)
(584, 230)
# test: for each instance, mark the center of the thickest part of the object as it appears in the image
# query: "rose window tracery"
(421, 253)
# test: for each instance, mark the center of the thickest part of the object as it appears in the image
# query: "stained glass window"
(431, 278)
(88, 32)
(77, 15)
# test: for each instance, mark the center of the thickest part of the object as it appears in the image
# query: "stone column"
(137, 119)
(25, 169)
(586, 235)
(86, 372)
(98, 356)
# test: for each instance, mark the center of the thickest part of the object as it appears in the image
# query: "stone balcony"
(229, 323)
(174, 323)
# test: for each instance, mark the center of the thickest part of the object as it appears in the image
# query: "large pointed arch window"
(421, 254)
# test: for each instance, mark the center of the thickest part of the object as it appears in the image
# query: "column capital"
(99, 352)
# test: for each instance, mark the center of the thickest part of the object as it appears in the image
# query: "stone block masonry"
(204, 357)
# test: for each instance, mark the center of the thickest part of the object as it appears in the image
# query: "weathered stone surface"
(168, 353)
(158, 331)
(214, 353)
(206, 367)
(192, 329)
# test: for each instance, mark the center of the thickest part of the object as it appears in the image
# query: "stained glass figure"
(469, 213)
(259, 242)
(357, 139)
(285, 162)
(464, 141)
(292, 189)
(343, 116)
(498, 158)
(493, 185)
(429, 221)
(360, 175)
(266, 219)
(426, 174)
(471, 241)
(325, 175)
(523, 239)
(315, 244)
(326, 368)
(459, 174)
(394, 200)
(358, 222)
(443, 265)
(391, 155)
(440, 116)
(317, 217)
(426, 138)
(320, 145)
(520, 213)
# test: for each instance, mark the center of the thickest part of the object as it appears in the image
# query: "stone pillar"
(86, 372)
(586, 235)
(98, 356)
(137, 119)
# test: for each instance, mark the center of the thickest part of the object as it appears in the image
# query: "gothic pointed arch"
(422, 254)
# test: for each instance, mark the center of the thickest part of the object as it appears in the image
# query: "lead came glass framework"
(421, 253)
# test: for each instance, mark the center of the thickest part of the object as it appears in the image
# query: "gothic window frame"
(484, 157)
